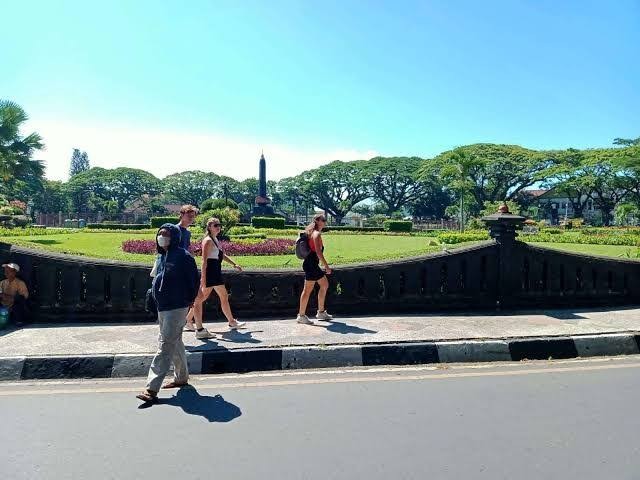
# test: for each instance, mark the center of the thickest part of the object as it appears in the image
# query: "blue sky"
(206, 84)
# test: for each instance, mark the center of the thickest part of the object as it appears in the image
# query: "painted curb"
(334, 356)
(318, 357)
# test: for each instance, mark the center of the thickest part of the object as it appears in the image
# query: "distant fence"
(500, 273)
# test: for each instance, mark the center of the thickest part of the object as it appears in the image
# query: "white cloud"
(163, 152)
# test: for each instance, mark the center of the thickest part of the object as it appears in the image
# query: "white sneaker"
(237, 325)
(303, 319)
(204, 334)
(189, 328)
(323, 315)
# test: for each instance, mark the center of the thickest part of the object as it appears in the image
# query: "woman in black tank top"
(211, 277)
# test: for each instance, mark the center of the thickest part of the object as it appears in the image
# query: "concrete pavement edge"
(320, 356)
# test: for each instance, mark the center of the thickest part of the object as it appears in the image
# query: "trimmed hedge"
(398, 226)
(453, 238)
(268, 222)
(118, 226)
(157, 222)
(579, 238)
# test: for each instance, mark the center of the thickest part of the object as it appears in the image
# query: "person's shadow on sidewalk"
(236, 336)
(214, 409)
(345, 328)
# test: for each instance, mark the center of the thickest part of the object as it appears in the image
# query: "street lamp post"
(30, 212)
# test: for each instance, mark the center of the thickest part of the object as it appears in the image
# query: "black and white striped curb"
(284, 358)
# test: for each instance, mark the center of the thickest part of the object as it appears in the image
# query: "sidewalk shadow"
(206, 344)
(236, 336)
(214, 409)
(564, 315)
(345, 328)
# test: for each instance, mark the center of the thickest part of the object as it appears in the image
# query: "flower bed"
(274, 246)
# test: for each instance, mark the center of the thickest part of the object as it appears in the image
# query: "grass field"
(340, 249)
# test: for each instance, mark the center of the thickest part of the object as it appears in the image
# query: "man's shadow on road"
(213, 408)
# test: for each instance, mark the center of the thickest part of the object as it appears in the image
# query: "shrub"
(376, 220)
(157, 222)
(20, 220)
(117, 226)
(216, 203)
(10, 210)
(19, 207)
(398, 226)
(228, 218)
(268, 222)
(453, 238)
(475, 224)
(241, 230)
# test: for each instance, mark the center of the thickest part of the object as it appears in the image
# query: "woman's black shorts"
(311, 267)
(214, 273)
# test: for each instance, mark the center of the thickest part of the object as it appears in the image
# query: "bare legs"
(195, 314)
(323, 283)
(196, 311)
(221, 290)
(322, 294)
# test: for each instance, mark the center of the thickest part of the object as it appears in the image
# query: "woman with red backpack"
(313, 273)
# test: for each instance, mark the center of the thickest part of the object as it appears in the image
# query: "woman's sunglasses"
(216, 225)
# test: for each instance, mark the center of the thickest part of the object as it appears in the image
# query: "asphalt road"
(570, 420)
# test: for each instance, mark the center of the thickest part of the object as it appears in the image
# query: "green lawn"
(618, 251)
(340, 249)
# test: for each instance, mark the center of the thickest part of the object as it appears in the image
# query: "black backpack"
(302, 246)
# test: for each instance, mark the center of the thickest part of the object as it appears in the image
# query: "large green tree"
(336, 187)
(395, 181)
(20, 174)
(79, 162)
(574, 177)
(92, 189)
(52, 198)
(490, 172)
(193, 186)
(627, 142)
(603, 170)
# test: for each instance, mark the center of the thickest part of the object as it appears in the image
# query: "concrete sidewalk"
(75, 351)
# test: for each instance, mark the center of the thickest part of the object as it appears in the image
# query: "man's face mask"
(164, 242)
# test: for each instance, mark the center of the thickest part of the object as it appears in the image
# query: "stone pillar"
(502, 228)
(262, 177)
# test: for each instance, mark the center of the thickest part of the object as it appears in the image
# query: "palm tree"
(15, 150)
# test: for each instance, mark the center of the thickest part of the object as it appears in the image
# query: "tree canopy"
(21, 175)
(336, 187)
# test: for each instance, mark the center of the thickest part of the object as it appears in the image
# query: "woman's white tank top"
(214, 252)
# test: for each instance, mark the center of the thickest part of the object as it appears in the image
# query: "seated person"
(14, 293)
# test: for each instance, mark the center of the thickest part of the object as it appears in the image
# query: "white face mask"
(164, 242)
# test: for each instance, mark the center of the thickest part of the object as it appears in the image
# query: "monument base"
(263, 211)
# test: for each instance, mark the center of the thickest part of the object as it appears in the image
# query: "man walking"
(187, 216)
(175, 287)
